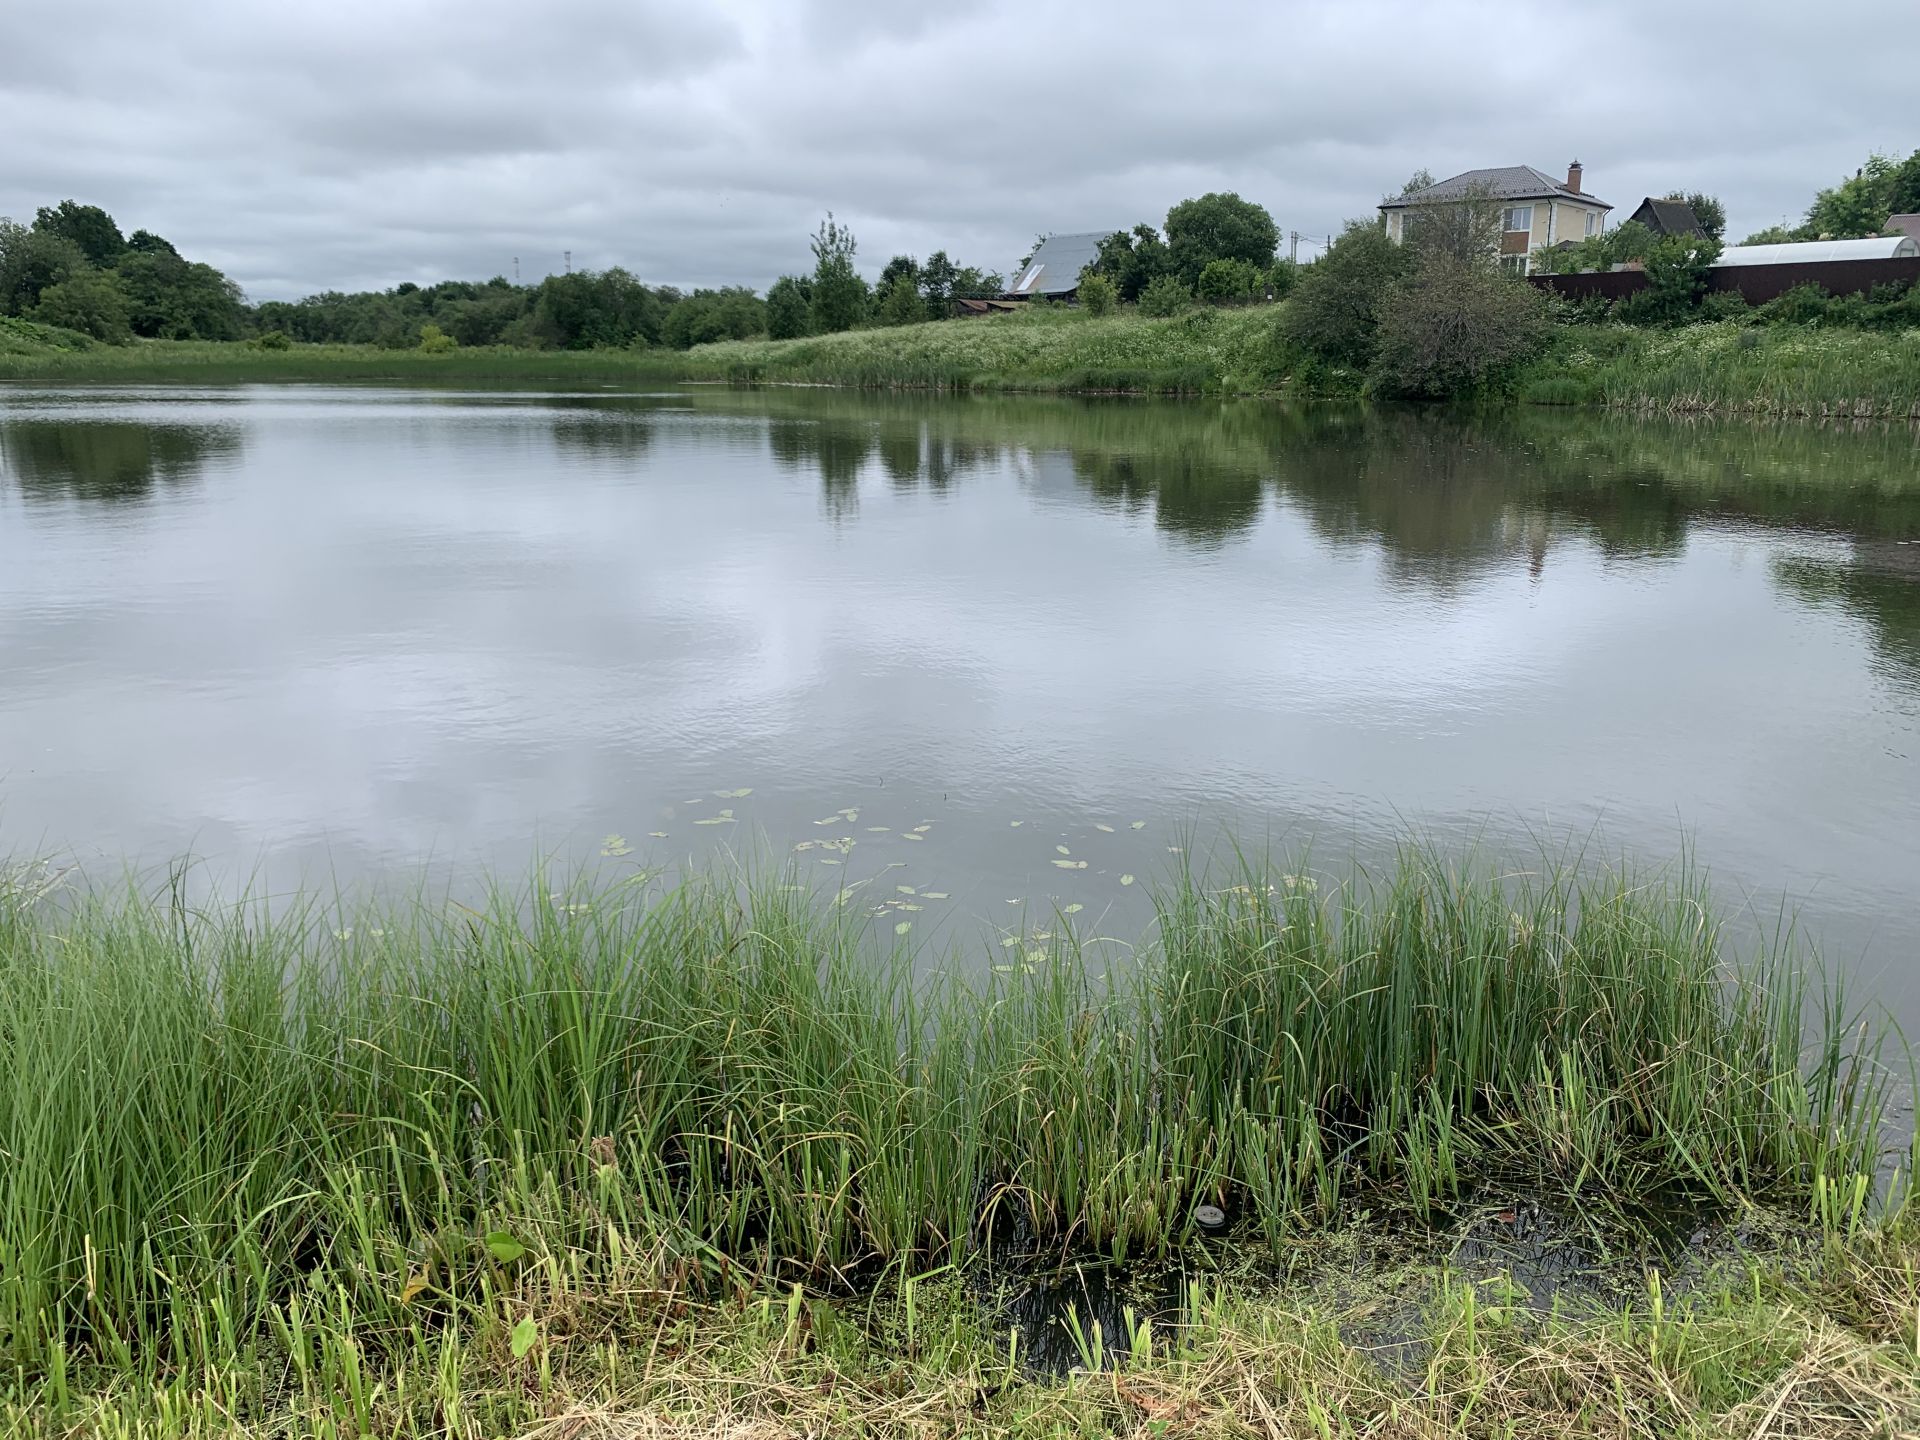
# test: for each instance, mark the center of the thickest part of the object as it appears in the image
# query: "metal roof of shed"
(1055, 267)
(1820, 252)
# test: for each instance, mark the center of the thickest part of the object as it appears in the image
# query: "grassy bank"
(424, 1170)
(1733, 369)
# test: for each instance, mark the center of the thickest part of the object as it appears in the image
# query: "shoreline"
(681, 1160)
(1720, 369)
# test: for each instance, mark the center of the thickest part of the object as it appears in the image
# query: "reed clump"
(244, 1130)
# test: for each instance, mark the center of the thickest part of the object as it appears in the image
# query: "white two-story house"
(1536, 211)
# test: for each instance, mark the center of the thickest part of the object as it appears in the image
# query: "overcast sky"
(356, 144)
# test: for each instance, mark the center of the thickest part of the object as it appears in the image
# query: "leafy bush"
(1455, 328)
(1097, 293)
(1676, 270)
(280, 340)
(1724, 305)
(435, 341)
(1334, 312)
(1231, 282)
(1166, 295)
(94, 302)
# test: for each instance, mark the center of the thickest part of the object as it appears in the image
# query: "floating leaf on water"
(876, 829)
(903, 927)
(805, 845)
(1070, 864)
(1016, 824)
(851, 813)
(903, 905)
(734, 794)
(904, 889)
(1043, 934)
(911, 836)
(1139, 824)
(1073, 909)
(1013, 900)
(921, 829)
(830, 862)
(1126, 879)
(1175, 850)
(1036, 957)
(524, 1334)
(1105, 829)
(696, 800)
(1063, 850)
(657, 834)
(1009, 942)
(934, 895)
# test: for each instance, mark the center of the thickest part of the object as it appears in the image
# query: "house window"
(1593, 222)
(1516, 263)
(1519, 217)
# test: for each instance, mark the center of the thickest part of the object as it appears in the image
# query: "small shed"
(1668, 217)
(1054, 270)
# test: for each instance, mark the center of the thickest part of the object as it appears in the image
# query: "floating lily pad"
(1070, 864)
(734, 794)
(1139, 824)
(934, 895)
(911, 836)
(904, 889)
(1015, 824)
(903, 927)
(657, 834)
(615, 846)
(921, 829)
(1063, 850)
(1073, 909)
(904, 905)
(1104, 829)
(1126, 879)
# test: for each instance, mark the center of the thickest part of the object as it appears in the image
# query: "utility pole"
(1293, 248)
(516, 269)
(568, 255)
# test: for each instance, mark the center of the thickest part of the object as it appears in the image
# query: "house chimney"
(1573, 176)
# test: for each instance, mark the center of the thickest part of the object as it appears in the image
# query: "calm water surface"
(342, 632)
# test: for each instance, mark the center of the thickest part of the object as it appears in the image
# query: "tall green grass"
(218, 1125)
(1728, 368)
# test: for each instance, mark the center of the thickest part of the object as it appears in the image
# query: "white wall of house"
(1544, 223)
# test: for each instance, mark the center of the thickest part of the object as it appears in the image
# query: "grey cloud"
(363, 143)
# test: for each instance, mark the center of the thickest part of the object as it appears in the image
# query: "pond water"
(1037, 648)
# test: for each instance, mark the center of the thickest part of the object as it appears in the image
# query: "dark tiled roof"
(1504, 182)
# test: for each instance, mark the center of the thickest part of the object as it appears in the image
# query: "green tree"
(1466, 228)
(896, 267)
(1281, 276)
(1133, 260)
(900, 301)
(936, 284)
(1455, 326)
(588, 310)
(1772, 235)
(171, 299)
(1706, 208)
(435, 341)
(1097, 293)
(148, 243)
(789, 307)
(30, 261)
(94, 302)
(731, 313)
(1334, 313)
(1167, 295)
(1219, 226)
(840, 295)
(1854, 208)
(90, 228)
